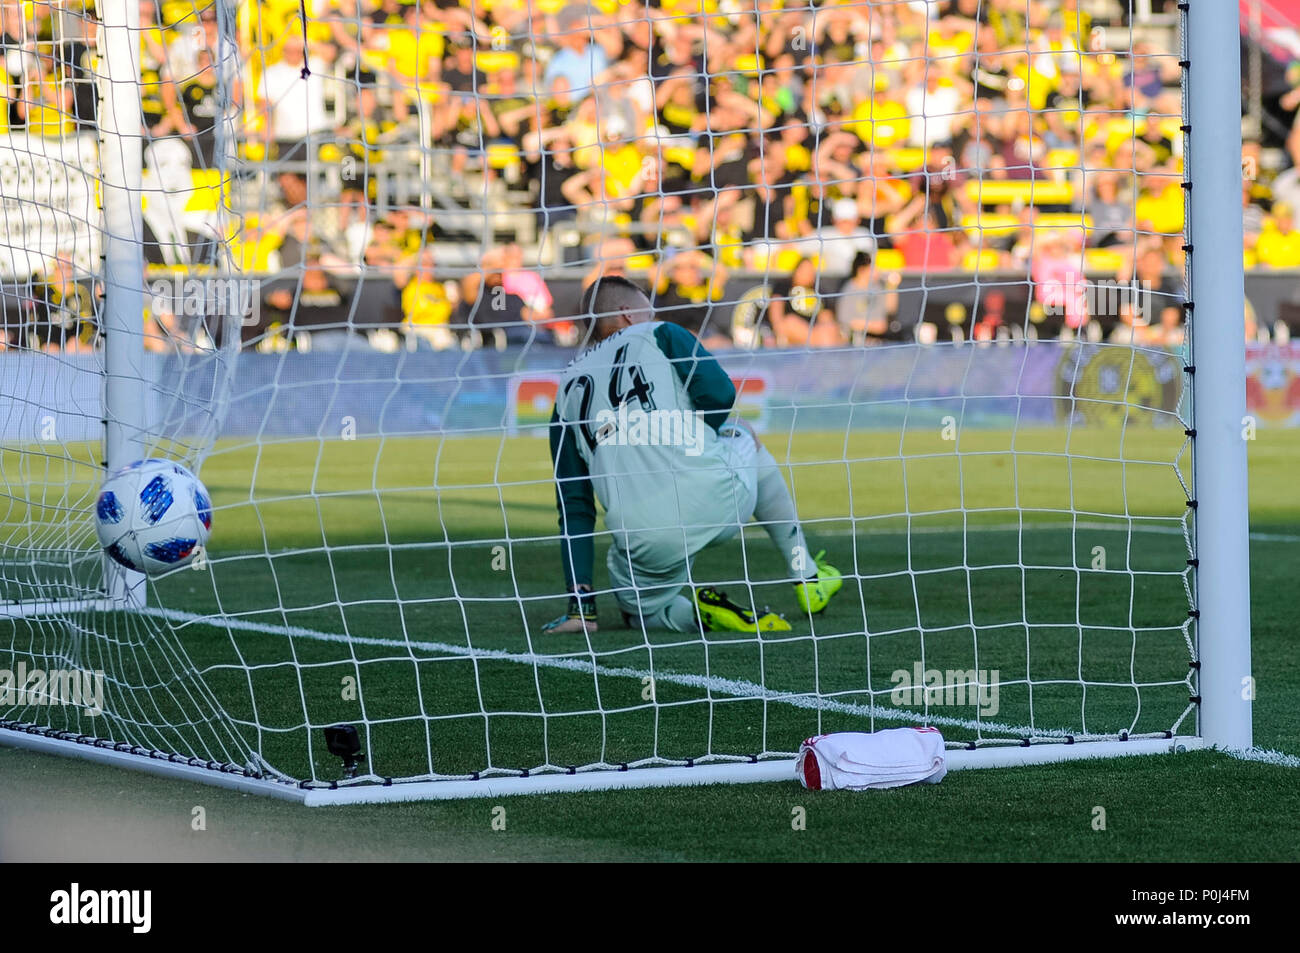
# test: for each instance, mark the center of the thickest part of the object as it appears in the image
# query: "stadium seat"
(991, 225)
(1024, 191)
(491, 61)
(890, 259)
(155, 270)
(983, 260)
(1060, 160)
(1103, 259)
(1063, 220)
(906, 159)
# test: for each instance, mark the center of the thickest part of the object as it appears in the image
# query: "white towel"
(855, 760)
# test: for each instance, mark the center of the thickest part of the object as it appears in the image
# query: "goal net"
(336, 266)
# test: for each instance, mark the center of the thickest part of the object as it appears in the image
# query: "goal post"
(1027, 462)
(121, 152)
(1216, 307)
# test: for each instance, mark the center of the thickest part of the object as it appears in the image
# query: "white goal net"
(938, 249)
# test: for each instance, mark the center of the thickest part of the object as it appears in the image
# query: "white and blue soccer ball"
(153, 516)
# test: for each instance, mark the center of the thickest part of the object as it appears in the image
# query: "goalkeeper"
(641, 423)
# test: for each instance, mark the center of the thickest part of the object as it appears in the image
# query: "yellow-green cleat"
(813, 596)
(718, 613)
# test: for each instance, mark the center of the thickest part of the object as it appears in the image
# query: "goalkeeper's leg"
(653, 599)
(774, 509)
(711, 610)
(677, 616)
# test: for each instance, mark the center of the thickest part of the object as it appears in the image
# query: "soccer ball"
(153, 515)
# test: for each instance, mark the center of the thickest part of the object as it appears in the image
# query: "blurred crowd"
(835, 150)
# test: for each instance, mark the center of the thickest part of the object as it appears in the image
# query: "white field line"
(814, 529)
(1264, 755)
(1116, 527)
(736, 688)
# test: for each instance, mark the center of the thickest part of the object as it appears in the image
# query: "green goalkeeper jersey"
(635, 426)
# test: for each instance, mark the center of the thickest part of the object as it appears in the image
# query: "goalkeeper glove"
(581, 614)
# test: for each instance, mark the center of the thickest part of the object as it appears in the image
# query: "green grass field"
(374, 564)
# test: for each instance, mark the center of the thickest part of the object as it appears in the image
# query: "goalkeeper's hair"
(604, 297)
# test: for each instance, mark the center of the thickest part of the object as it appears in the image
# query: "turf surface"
(1012, 584)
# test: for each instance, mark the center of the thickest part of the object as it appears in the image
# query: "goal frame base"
(40, 608)
(1001, 756)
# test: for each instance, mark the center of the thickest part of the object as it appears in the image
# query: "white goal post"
(1212, 85)
(121, 149)
(384, 550)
